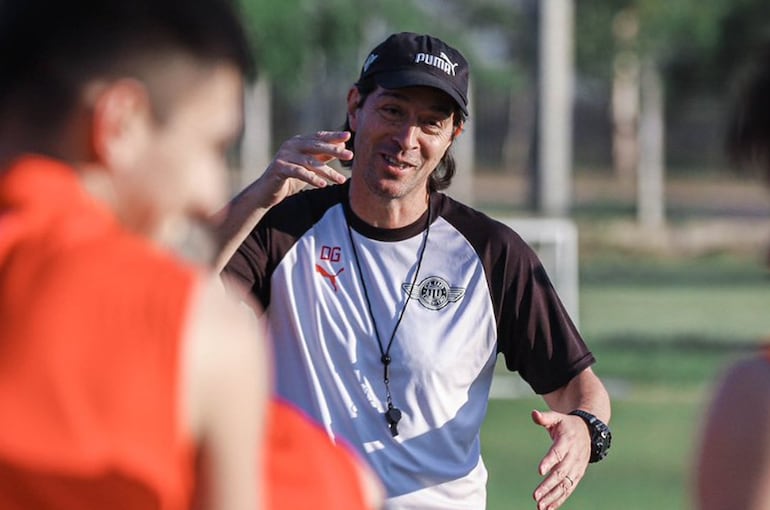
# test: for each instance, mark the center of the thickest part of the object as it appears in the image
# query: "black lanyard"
(392, 414)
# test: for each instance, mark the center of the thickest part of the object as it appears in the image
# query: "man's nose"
(407, 136)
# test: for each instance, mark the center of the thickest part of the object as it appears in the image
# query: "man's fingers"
(330, 136)
(323, 145)
(563, 465)
(554, 497)
(315, 173)
(326, 152)
(306, 157)
(555, 489)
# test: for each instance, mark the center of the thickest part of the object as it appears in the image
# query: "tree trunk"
(650, 192)
(625, 96)
(256, 152)
(555, 111)
(625, 116)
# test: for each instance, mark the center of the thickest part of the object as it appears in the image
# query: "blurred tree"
(743, 32)
(688, 39)
(668, 44)
(504, 38)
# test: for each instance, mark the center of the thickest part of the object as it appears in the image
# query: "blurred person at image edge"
(129, 380)
(732, 460)
(114, 377)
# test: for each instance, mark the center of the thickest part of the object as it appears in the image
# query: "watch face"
(601, 440)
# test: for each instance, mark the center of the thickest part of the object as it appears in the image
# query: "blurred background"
(597, 129)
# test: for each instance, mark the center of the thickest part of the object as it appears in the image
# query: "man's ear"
(121, 119)
(354, 100)
(458, 130)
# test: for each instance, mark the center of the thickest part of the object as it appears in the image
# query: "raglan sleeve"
(246, 273)
(535, 332)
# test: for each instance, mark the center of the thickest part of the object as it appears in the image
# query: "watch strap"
(601, 437)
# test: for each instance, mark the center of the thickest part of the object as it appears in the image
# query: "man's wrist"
(599, 433)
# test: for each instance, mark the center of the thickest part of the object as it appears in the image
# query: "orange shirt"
(91, 318)
(305, 469)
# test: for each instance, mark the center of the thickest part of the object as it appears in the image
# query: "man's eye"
(390, 111)
(433, 125)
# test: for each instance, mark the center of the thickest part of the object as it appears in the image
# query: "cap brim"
(411, 78)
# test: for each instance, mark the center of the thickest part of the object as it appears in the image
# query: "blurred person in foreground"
(128, 379)
(388, 302)
(732, 462)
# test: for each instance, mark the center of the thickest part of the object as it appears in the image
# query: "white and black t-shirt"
(480, 291)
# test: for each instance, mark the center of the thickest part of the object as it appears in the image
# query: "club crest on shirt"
(433, 292)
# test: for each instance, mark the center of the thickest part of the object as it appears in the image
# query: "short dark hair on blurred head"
(49, 49)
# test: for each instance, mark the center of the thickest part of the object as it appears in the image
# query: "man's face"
(401, 136)
(181, 169)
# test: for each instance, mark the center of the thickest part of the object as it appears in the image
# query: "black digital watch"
(601, 437)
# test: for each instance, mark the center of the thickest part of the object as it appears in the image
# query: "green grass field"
(661, 331)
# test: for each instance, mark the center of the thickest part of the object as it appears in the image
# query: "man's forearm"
(585, 391)
(238, 219)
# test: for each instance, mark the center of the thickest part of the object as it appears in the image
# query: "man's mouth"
(403, 165)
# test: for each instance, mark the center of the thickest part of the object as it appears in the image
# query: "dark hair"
(442, 176)
(50, 49)
(748, 136)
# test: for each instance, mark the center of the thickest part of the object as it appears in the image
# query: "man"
(121, 363)
(388, 302)
(732, 462)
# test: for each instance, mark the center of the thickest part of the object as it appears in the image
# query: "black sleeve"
(534, 331)
(536, 335)
(246, 272)
(251, 267)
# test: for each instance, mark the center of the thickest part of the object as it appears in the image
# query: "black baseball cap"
(407, 59)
